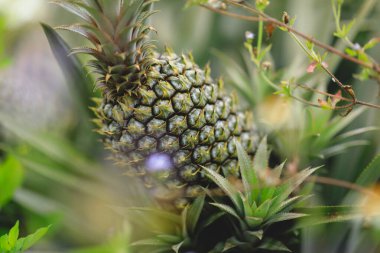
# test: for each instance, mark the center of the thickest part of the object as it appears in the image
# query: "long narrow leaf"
(260, 162)
(371, 173)
(248, 174)
(227, 209)
(193, 214)
(227, 187)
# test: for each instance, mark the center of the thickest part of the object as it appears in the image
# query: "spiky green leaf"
(227, 209)
(248, 174)
(193, 214)
(227, 187)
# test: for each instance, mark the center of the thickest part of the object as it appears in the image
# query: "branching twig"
(358, 102)
(265, 18)
(262, 17)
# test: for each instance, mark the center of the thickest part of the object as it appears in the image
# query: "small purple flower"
(158, 162)
(249, 35)
(356, 47)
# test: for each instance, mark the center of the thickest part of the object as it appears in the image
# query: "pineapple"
(158, 111)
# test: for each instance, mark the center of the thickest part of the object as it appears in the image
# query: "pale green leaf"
(260, 161)
(160, 214)
(340, 148)
(30, 240)
(335, 126)
(258, 234)
(262, 210)
(4, 245)
(276, 173)
(357, 131)
(289, 203)
(370, 44)
(177, 247)
(284, 217)
(308, 222)
(253, 222)
(11, 175)
(13, 235)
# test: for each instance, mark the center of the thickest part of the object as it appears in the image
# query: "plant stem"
(266, 79)
(366, 7)
(262, 17)
(346, 88)
(260, 37)
(232, 15)
(341, 183)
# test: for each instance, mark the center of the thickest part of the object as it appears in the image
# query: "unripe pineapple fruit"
(159, 111)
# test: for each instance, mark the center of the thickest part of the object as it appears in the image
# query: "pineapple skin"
(156, 103)
(179, 111)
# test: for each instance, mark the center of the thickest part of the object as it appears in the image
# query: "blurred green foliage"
(12, 243)
(5, 60)
(11, 175)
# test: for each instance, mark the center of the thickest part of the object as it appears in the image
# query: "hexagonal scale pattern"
(180, 112)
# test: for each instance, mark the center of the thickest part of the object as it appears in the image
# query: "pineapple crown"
(118, 32)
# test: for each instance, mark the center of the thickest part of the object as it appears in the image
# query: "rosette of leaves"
(261, 208)
(255, 214)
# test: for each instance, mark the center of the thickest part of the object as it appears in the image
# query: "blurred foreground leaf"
(11, 175)
(11, 243)
(371, 173)
(70, 65)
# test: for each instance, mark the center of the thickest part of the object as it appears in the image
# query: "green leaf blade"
(11, 176)
(30, 240)
(248, 174)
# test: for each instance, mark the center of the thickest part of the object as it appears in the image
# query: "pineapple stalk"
(159, 111)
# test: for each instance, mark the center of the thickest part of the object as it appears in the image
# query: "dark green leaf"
(71, 67)
(272, 245)
(258, 234)
(193, 214)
